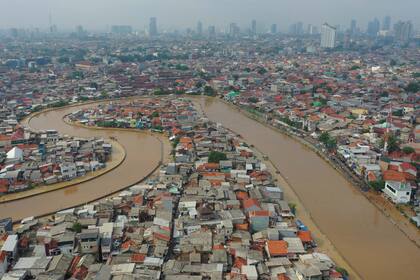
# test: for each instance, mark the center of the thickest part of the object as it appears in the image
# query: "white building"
(328, 34)
(398, 192)
(68, 170)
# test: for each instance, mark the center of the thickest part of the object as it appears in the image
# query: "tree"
(329, 142)
(413, 87)
(155, 114)
(342, 271)
(377, 185)
(216, 157)
(408, 150)
(393, 144)
(253, 100)
(208, 90)
(262, 70)
(324, 137)
(77, 227)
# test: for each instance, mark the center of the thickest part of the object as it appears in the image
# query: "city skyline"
(182, 14)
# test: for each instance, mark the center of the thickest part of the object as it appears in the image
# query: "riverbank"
(382, 204)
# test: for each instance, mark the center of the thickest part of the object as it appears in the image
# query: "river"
(374, 247)
(143, 155)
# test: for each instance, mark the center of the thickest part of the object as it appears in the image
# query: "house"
(33, 265)
(6, 225)
(89, 241)
(10, 246)
(259, 220)
(307, 271)
(3, 263)
(68, 170)
(396, 187)
(66, 242)
(276, 248)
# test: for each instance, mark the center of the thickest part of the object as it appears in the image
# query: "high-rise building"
(273, 28)
(328, 34)
(373, 27)
(233, 29)
(153, 30)
(121, 29)
(199, 28)
(403, 31)
(253, 27)
(386, 24)
(311, 30)
(212, 31)
(353, 27)
(296, 29)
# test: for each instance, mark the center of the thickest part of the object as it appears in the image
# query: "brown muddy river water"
(143, 155)
(373, 246)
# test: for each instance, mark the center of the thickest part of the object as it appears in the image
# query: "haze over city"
(174, 14)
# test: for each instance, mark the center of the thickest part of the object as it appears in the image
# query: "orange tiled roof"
(259, 213)
(392, 175)
(277, 247)
(247, 203)
(305, 236)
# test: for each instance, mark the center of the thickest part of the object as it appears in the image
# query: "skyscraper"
(273, 28)
(373, 27)
(353, 27)
(403, 31)
(199, 28)
(253, 27)
(386, 24)
(328, 33)
(153, 30)
(212, 31)
(233, 29)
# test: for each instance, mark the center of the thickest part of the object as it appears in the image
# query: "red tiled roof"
(277, 247)
(305, 236)
(392, 175)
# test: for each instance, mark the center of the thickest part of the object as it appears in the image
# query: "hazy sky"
(171, 14)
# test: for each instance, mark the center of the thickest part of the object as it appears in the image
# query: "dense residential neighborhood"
(30, 158)
(214, 211)
(202, 200)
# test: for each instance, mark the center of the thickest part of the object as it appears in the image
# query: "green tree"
(377, 185)
(253, 99)
(408, 150)
(324, 137)
(208, 90)
(342, 271)
(413, 87)
(77, 227)
(216, 157)
(393, 144)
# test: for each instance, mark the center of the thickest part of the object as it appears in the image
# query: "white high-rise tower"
(328, 33)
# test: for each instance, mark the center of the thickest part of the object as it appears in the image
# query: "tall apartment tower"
(254, 27)
(273, 28)
(199, 28)
(328, 34)
(403, 31)
(386, 24)
(153, 30)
